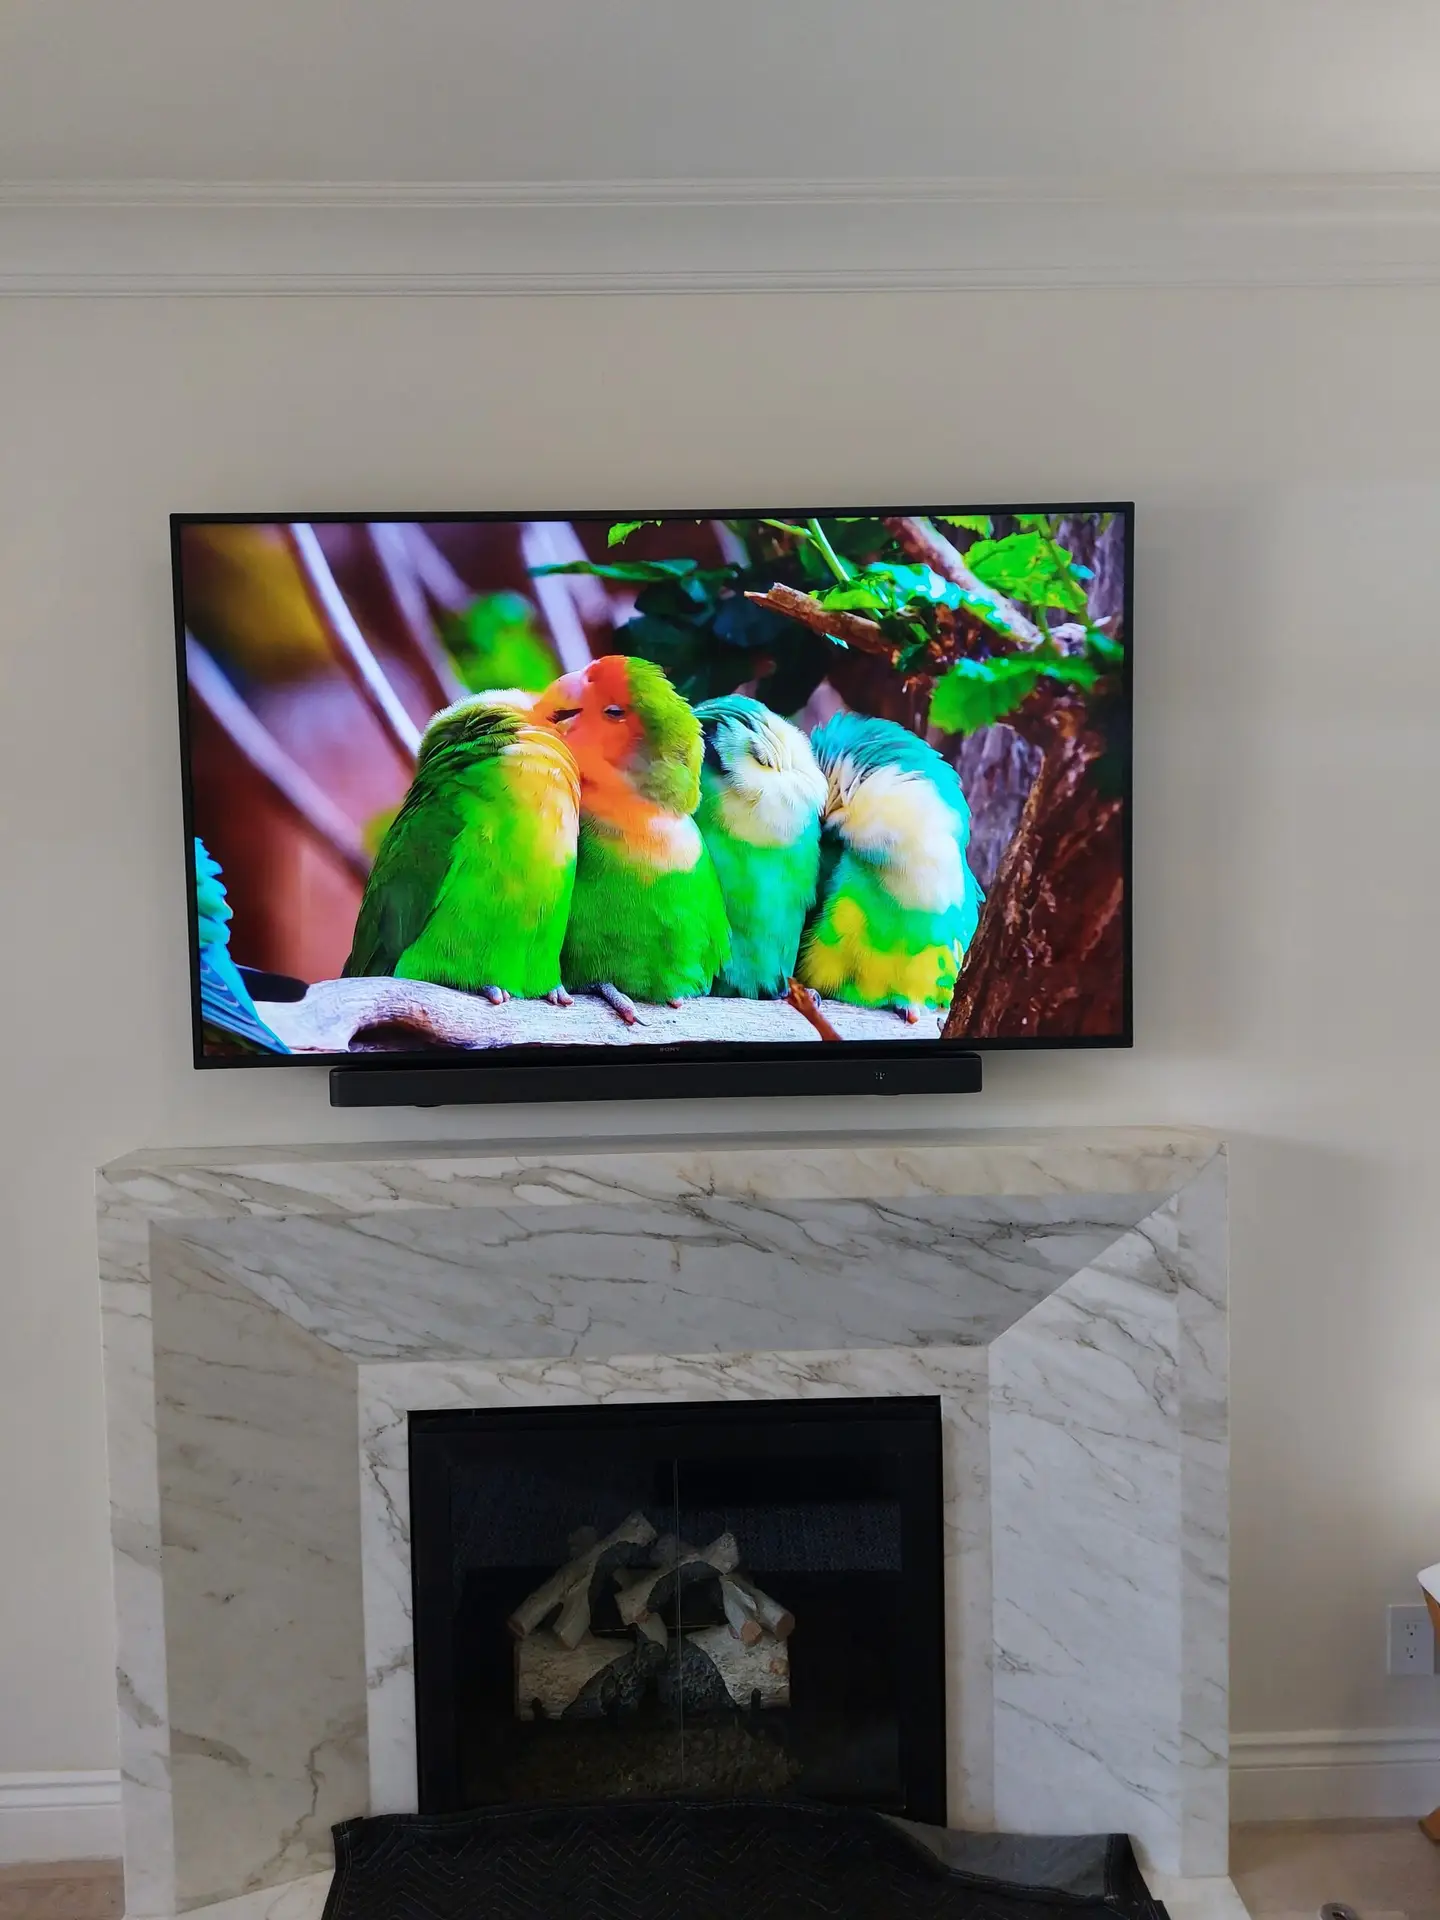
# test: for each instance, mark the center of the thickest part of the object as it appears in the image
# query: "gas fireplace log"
(569, 1589)
(758, 1674)
(768, 1612)
(551, 1677)
(638, 1591)
(740, 1612)
(572, 1623)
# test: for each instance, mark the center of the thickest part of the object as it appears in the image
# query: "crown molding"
(143, 237)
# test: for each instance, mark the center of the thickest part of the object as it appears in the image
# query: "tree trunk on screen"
(1047, 960)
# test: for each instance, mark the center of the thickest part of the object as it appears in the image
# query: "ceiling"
(605, 90)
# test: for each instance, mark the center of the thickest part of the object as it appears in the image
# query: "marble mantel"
(272, 1317)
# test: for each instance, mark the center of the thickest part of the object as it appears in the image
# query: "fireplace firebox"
(719, 1600)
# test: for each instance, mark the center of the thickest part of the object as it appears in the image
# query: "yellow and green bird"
(898, 902)
(761, 793)
(648, 918)
(472, 881)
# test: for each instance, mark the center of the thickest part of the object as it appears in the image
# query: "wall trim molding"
(59, 1816)
(139, 237)
(1335, 1774)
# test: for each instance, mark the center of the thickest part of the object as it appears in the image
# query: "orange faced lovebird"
(648, 920)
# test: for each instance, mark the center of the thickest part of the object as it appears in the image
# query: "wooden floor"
(1382, 1868)
(73, 1890)
(1385, 1869)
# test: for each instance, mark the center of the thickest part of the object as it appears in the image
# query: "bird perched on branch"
(760, 798)
(472, 881)
(898, 902)
(227, 1012)
(648, 919)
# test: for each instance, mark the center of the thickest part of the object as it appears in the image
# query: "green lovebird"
(760, 798)
(648, 917)
(471, 884)
(899, 904)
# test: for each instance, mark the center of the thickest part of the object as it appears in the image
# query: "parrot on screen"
(227, 1012)
(648, 918)
(472, 881)
(898, 902)
(761, 793)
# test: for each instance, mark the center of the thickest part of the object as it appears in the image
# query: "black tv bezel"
(695, 1054)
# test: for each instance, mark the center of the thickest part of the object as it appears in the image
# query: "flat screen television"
(770, 791)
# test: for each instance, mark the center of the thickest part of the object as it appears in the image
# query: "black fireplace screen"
(710, 1601)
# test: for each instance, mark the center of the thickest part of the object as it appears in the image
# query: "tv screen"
(487, 788)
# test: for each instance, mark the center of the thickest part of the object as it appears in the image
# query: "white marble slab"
(1184, 1899)
(698, 1273)
(390, 1393)
(260, 1535)
(1062, 1292)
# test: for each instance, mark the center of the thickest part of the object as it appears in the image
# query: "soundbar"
(823, 1072)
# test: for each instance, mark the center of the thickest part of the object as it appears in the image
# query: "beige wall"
(1285, 452)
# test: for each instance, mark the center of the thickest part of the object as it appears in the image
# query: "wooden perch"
(569, 1589)
(924, 542)
(805, 1002)
(335, 1015)
(852, 629)
(676, 1562)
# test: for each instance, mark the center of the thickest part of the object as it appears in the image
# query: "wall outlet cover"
(1411, 1643)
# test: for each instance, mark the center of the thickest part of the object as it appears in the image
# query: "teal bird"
(227, 1012)
(899, 904)
(761, 793)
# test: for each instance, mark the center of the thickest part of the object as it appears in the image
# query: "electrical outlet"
(1412, 1641)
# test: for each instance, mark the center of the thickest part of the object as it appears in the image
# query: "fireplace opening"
(710, 1601)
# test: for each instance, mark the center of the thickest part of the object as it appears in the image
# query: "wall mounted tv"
(586, 804)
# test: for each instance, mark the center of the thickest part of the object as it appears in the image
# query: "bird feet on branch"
(497, 996)
(620, 1003)
(806, 1001)
(558, 997)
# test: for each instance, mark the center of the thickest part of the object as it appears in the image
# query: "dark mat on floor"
(730, 1860)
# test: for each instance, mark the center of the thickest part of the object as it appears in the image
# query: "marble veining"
(390, 1393)
(271, 1317)
(696, 1274)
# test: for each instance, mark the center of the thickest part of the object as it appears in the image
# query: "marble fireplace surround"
(272, 1316)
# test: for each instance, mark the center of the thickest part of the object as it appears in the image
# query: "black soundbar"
(823, 1072)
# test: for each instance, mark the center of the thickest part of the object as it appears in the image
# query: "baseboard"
(1359, 1774)
(1375, 1773)
(59, 1816)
